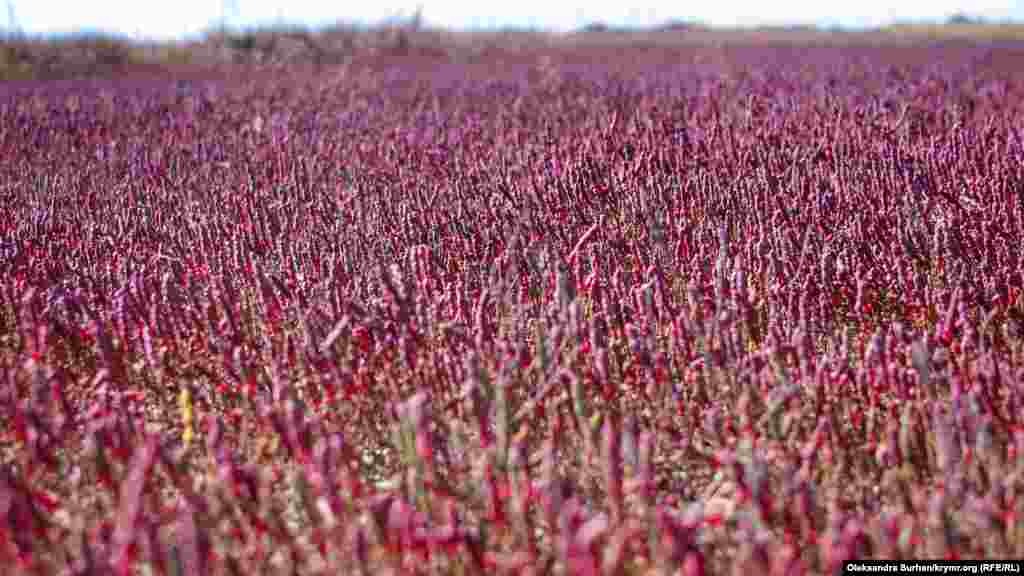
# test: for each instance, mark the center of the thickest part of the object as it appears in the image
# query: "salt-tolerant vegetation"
(573, 310)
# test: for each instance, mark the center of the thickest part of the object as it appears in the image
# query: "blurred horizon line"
(415, 20)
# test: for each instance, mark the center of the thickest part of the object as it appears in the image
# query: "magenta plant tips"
(576, 309)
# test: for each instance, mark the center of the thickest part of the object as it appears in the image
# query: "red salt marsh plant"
(655, 315)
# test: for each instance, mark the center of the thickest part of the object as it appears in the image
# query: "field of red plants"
(731, 309)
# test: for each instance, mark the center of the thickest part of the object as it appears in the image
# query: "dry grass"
(92, 55)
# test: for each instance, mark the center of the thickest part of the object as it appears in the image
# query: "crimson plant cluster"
(629, 310)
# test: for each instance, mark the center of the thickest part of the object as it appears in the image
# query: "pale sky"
(180, 18)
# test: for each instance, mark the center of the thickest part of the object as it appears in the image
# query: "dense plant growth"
(573, 311)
